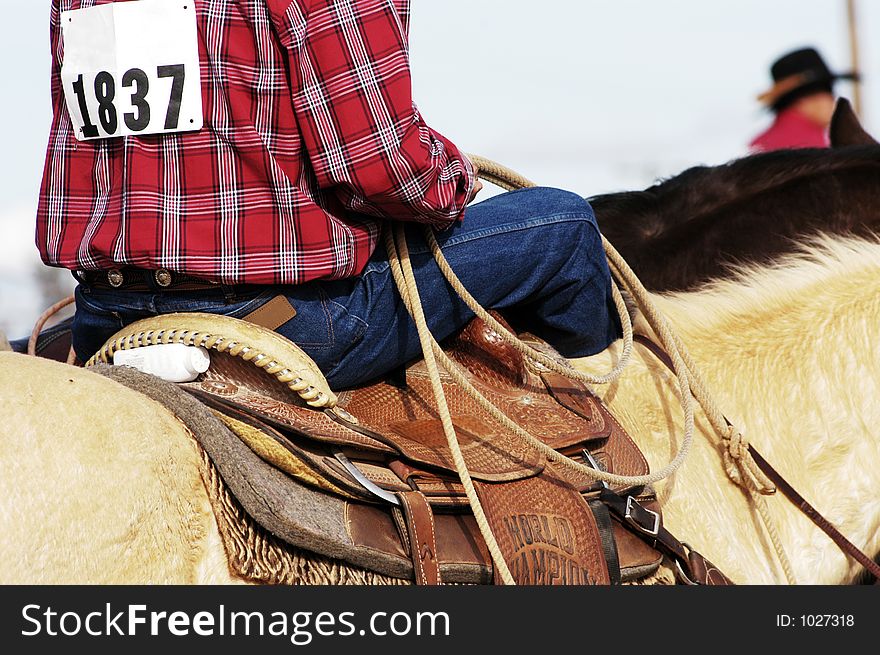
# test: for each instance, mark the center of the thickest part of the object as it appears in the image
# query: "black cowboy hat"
(799, 73)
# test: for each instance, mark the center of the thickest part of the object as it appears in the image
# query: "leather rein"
(785, 487)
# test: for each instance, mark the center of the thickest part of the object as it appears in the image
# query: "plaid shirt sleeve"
(352, 96)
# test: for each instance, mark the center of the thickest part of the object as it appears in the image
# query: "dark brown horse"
(697, 225)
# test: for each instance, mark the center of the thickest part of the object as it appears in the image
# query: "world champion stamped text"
(545, 551)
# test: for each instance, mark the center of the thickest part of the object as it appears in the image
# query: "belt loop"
(229, 294)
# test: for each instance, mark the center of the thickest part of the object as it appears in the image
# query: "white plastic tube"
(174, 362)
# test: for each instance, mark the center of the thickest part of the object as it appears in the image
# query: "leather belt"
(139, 279)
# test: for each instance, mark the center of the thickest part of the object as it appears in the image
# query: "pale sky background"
(588, 95)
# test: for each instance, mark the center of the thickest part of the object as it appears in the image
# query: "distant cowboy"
(802, 99)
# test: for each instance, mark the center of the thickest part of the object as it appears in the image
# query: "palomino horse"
(100, 484)
(705, 221)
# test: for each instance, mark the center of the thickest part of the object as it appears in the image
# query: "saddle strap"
(824, 524)
(606, 533)
(422, 535)
(796, 499)
(647, 524)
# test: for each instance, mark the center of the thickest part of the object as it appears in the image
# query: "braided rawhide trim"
(265, 349)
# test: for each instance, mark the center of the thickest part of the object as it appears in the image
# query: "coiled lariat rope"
(401, 269)
(739, 465)
(738, 462)
(541, 358)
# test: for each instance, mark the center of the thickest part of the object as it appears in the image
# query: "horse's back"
(93, 472)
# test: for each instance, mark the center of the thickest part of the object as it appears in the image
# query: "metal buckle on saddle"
(636, 515)
(641, 518)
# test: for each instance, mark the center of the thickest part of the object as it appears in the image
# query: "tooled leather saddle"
(384, 447)
(381, 451)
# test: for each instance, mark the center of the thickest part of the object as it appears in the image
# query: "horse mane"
(695, 226)
(702, 191)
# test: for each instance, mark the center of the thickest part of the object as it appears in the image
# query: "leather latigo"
(421, 533)
(546, 530)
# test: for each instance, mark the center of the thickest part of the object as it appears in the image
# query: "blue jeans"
(534, 254)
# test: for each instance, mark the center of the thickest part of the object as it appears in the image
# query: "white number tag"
(132, 68)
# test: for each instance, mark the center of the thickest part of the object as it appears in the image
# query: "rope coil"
(739, 464)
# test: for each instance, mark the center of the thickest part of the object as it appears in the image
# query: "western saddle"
(498, 466)
(380, 449)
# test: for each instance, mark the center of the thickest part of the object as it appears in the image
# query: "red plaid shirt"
(310, 141)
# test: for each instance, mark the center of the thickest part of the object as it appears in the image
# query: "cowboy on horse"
(290, 141)
(288, 145)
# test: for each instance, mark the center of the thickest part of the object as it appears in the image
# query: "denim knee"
(550, 201)
(580, 238)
